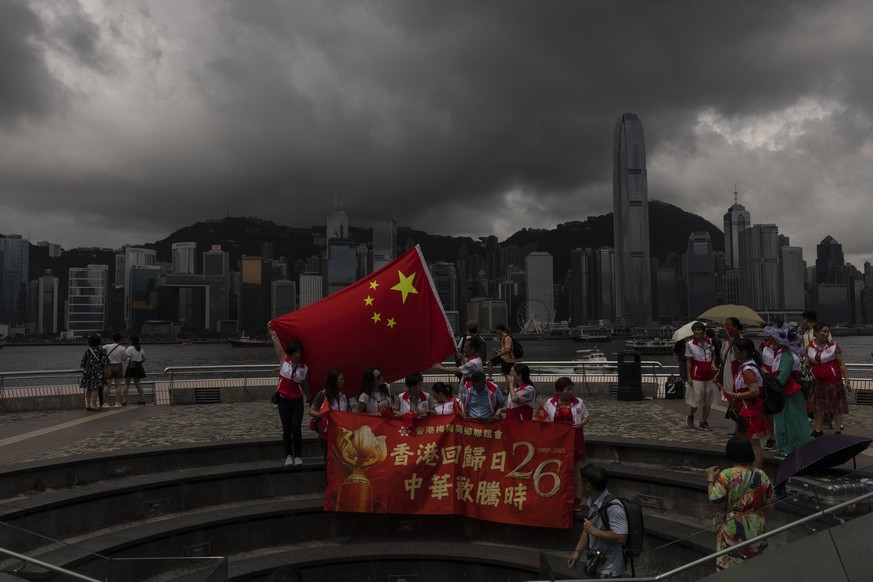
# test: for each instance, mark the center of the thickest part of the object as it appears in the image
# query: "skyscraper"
(14, 257)
(630, 200)
(830, 263)
(86, 300)
(184, 258)
(384, 242)
(337, 225)
(736, 220)
(539, 287)
(701, 273)
(760, 269)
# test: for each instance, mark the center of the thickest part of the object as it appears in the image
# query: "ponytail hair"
(744, 344)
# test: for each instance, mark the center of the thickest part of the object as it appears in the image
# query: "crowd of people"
(732, 368)
(107, 365)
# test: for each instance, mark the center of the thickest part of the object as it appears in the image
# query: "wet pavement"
(40, 436)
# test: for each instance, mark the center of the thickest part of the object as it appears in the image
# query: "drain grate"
(865, 397)
(207, 396)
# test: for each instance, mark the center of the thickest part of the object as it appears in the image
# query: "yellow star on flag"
(373, 284)
(377, 317)
(391, 323)
(368, 300)
(405, 285)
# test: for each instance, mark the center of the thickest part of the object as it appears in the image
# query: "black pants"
(291, 413)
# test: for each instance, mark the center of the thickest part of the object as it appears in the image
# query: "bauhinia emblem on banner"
(358, 450)
(511, 472)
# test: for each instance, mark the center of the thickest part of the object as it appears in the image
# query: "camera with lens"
(595, 559)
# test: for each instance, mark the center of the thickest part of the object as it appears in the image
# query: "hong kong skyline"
(122, 122)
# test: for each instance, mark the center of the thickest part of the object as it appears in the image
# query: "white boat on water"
(650, 345)
(591, 361)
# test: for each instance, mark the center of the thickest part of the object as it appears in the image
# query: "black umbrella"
(821, 453)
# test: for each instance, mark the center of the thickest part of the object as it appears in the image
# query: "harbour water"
(856, 349)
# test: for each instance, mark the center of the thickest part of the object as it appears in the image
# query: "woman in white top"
(522, 394)
(375, 394)
(444, 401)
(135, 356)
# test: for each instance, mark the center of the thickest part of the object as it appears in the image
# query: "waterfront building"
(337, 225)
(254, 296)
(120, 271)
(384, 242)
(142, 290)
(445, 280)
(605, 284)
(539, 283)
(311, 288)
(342, 264)
(54, 249)
(14, 258)
(633, 306)
(87, 292)
(134, 257)
(183, 300)
(736, 220)
(184, 256)
(488, 312)
(701, 273)
(791, 278)
(47, 304)
(283, 298)
(666, 295)
(760, 269)
(832, 307)
(510, 256)
(830, 264)
(216, 270)
(580, 286)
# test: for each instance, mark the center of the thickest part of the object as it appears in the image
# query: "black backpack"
(517, 349)
(633, 543)
(771, 392)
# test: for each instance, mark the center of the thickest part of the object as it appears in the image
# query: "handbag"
(274, 399)
(733, 411)
(313, 424)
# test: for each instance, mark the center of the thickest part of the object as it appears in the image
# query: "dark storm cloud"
(453, 117)
(26, 86)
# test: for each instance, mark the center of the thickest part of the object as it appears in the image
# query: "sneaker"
(106, 405)
(770, 445)
(118, 405)
(704, 425)
(297, 461)
(289, 460)
(816, 434)
(689, 421)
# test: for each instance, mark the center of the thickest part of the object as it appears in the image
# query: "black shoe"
(816, 433)
(771, 444)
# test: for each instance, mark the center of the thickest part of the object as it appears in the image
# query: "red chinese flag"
(392, 320)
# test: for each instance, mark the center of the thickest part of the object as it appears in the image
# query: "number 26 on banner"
(539, 472)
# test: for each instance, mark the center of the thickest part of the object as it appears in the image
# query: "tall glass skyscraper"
(736, 220)
(14, 258)
(630, 199)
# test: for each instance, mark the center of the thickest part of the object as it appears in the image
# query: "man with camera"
(605, 555)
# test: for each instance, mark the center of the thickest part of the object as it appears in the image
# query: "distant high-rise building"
(216, 270)
(342, 264)
(701, 273)
(666, 295)
(793, 296)
(184, 258)
(311, 288)
(14, 258)
(337, 225)
(54, 250)
(605, 284)
(254, 297)
(384, 242)
(539, 285)
(488, 312)
(134, 257)
(87, 294)
(760, 270)
(736, 220)
(631, 224)
(47, 306)
(582, 283)
(445, 279)
(830, 264)
(283, 298)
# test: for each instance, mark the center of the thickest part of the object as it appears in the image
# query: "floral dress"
(741, 492)
(93, 363)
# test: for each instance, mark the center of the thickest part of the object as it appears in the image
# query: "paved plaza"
(40, 436)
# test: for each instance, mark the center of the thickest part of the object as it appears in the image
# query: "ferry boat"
(244, 341)
(650, 345)
(591, 360)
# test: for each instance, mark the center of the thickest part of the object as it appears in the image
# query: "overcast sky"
(123, 121)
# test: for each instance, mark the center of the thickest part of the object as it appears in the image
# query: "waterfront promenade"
(38, 437)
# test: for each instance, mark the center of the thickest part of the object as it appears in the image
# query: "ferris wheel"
(533, 316)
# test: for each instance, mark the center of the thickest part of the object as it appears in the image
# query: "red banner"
(517, 472)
